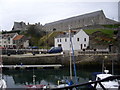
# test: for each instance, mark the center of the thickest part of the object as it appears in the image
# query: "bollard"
(8, 54)
(33, 54)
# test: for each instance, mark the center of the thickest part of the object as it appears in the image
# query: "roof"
(11, 35)
(66, 34)
(18, 37)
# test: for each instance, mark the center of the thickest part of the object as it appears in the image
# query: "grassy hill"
(104, 31)
(47, 41)
(102, 36)
(98, 37)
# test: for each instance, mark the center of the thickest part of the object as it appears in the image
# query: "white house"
(80, 40)
(6, 40)
(13, 40)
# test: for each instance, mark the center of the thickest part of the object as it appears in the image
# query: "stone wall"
(81, 60)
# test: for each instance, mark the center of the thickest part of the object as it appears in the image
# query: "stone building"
(119, 11)
(19, 26)
(77, 22)
(22, 26)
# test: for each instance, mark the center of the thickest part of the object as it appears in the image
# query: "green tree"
(35, 33)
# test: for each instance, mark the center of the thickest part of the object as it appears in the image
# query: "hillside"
(99, 38)
(47, 41)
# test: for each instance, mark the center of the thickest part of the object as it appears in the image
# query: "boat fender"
(58, 82)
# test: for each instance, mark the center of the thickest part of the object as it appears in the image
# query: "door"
(81, 46)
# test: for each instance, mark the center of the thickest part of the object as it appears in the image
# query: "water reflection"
(19, 78)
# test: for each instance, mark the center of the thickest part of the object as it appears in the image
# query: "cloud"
(45, 11)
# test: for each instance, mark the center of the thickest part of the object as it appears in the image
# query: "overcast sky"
(45, 11)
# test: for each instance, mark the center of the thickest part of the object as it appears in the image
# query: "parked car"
(35, 47)
(55, 50)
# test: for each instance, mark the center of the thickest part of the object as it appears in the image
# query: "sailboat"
(3, 84)
(66, 83)
(72, 60)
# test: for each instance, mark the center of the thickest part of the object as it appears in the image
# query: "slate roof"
(11, 35)
(66, 34)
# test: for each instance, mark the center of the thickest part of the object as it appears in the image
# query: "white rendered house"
(80, 40)
(6, 40)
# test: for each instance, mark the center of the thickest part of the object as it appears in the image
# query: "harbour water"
(21, 78)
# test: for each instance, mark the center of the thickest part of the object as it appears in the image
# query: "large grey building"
(119, 11)
(94, 18)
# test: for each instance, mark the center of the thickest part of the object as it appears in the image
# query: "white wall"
(76, 44)
(26, 44)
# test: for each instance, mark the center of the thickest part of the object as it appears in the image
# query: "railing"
(89, 83)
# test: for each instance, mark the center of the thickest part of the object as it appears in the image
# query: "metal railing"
(89, 83)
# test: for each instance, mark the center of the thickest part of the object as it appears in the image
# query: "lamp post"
(112, 67)
(103, 64)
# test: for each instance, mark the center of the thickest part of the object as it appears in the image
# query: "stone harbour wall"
(81, 60)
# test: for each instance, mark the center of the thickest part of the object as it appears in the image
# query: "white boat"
(109, 85)
(3, 84)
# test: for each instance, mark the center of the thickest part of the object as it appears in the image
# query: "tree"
(35, 33)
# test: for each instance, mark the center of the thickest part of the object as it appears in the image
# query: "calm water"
(19, 78)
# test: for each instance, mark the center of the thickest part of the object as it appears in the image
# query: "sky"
(46, 11)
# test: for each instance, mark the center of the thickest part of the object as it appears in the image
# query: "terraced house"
(13, 40)
(6, 40)
(21, 41)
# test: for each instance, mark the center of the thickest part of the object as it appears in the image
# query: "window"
(81, 46)
(84, 45)
(9, 39)
(77, 39)
(65, 39)
(60, 40)
(85, 39)
(57, 40)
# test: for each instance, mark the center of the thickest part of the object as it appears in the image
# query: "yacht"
(109, 85)
(3, 84)
(2, 81)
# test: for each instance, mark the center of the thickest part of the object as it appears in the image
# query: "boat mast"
(70, 54)
(73, 58)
